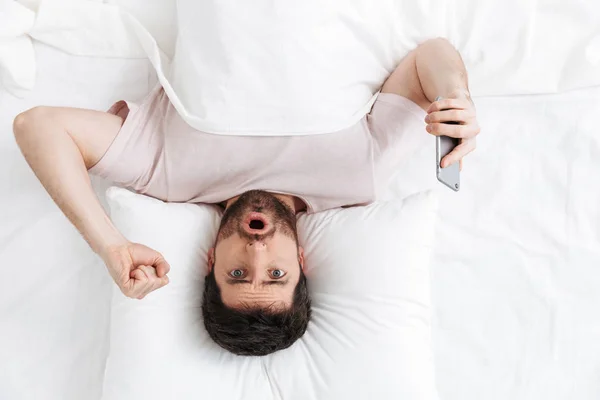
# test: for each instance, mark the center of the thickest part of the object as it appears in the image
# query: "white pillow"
(369, 337)
(265, 67)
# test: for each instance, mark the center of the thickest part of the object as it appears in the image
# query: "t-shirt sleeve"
(401, 142)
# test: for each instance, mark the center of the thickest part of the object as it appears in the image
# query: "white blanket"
(269, 68)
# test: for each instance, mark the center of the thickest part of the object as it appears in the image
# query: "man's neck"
(291, 201)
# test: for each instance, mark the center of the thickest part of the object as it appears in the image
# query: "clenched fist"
(136, 269)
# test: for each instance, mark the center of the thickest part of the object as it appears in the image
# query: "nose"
(256, 246)
(255, 251)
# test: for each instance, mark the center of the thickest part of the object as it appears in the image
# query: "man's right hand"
(136, 269)
(61, 144)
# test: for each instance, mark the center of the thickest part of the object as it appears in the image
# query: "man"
(255, 300)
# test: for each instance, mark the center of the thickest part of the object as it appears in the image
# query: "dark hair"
(254, 332)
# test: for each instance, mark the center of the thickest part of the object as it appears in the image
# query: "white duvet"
(252, 68)
(515, 277)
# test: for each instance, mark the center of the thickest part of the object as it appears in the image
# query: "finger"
(160, 282)
(456, 131)
(449, 116)
(143, 255)
(150, 273)
(139, 275)
(460, 165)
(458, 153)
(140, 283)
(444, 104)
(154, 282)
(162, 267)
(139, 286)
(131, 286)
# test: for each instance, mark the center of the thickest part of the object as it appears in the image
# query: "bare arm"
(61, 165)
(441, 71)
(435, 68)
(60, 145)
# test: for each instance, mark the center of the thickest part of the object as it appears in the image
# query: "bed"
(515, 265)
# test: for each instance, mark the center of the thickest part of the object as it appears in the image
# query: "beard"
(281, 217)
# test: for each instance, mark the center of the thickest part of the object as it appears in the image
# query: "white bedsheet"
(516, 272)
(54, 292)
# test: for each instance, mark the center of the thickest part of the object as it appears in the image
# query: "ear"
(211, 259)
(301, 257)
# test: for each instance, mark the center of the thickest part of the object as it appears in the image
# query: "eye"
(237, 273)
(277, 273)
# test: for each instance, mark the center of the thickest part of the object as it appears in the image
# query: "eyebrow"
(264, 283)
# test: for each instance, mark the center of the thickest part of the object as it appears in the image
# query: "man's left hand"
(462, 111)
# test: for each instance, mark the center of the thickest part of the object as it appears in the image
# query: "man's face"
(257, 259)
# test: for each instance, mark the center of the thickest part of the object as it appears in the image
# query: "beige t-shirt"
(157, 153)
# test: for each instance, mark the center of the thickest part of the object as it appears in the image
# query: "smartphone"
(449, 176)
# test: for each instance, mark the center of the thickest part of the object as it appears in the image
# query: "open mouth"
(255, 223)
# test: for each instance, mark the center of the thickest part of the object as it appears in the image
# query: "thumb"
(131, 286)
(143, 255)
